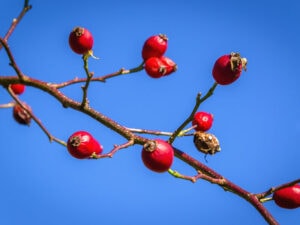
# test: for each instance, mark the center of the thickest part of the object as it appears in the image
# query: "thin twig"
(99, 78)
(159, 133)
(7, 105)
(89, 76)
(16, 21)
(39, 123)
(273, 189)
(114, 150)
(176, 174)
(11, 58)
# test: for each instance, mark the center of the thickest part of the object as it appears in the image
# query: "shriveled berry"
(228, 68)
(81, 40)
(82, 145)
(155, 46)
(21, 115)
(157, 67)
(157, 155)
(206, 143)
(203, 121)
(288, 197)
(17, 88)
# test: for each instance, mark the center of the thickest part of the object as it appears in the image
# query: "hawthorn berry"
(155, 46)
(169, 64)
(157, 155)
(17, 88)
(228, 68)
(81, 40)
(83, 145)
(203, 121)
(21, 115)
(157, 67)
(288, 197)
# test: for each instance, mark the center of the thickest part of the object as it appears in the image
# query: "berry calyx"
(157, 155)
(81, 40)
(21, 115)
(203, 121)
(82, 145)
(157, 67)
(228, 68)
(17, 88)
(288, 197)
(155, 46)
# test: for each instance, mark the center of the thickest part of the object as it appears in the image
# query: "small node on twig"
(206, 143)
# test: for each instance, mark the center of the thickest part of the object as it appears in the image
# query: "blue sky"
(256, 118)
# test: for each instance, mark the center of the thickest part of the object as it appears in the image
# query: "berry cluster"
(156, 64)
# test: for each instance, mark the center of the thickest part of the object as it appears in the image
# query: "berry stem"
(199, 100)
(273, 189)
(89, 76)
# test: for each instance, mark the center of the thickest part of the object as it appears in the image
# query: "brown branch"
(214, 177)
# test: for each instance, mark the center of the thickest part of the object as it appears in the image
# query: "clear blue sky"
(256, 118)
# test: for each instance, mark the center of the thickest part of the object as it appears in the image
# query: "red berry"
(228, 68)
(157, 155)
(17, 88)
(203, 121)
(157, 67)
(81, 40)
(21, 115)
(288, 197)
(170, 65)
(82, 145)
(155, 46)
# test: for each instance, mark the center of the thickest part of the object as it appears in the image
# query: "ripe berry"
(157, 67)
(17, 88)
(82, 145)
(157, 155)
(21, 115)
(288, 197)
(169, 64)
(228, 68)
(155, 46)
(203, 121)
(81, 40)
